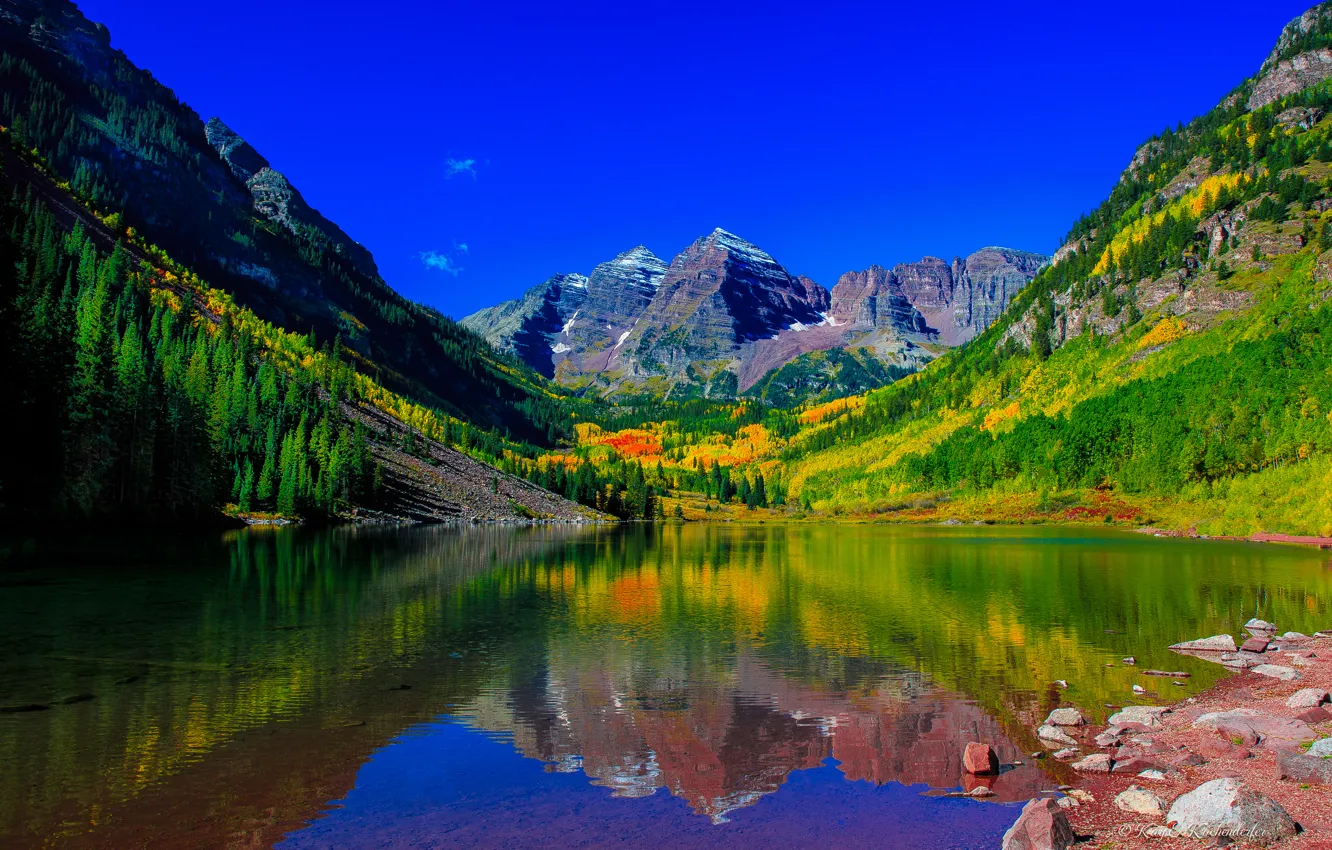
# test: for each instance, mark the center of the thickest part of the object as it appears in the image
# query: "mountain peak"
(239, 155)
(1301, 59)
(640, 256)
(1301, 34)
(738, 247)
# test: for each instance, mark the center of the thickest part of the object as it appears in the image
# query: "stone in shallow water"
(980, 759)
(1140, 801)
(1229, 806)
(1322, 749)
(1041, 826)
(1055, 735)
(1216, 643)
(1065, 717)
(1259, 627)
(1107, 739)
(1070, 753)
(1255, 644)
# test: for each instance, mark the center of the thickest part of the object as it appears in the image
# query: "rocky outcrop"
(1290, 76)
(948, 302)
(875, 300)
(276, 199)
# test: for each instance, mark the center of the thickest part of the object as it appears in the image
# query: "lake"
(697, 685)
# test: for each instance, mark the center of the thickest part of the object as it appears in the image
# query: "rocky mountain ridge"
(724, 314)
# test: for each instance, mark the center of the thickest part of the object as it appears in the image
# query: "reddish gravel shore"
(1188, 755)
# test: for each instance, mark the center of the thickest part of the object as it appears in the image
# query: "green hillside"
(1174, 365)
(126, 146)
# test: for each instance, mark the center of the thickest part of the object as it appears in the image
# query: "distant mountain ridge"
(724, 313)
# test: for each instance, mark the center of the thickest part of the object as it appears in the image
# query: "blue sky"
(478, 148)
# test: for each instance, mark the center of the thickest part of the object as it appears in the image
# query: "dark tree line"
(126, 403)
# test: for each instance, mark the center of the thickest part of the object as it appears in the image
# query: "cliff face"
(724, 314)
(276, 199)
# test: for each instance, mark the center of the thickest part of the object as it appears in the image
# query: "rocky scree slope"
(128, 146)
(723, 315)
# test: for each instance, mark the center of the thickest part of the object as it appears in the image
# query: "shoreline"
(1248, 727)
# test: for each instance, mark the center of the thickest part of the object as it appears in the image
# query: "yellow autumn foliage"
(1166, 331)
(1001, 415)
(1195, 202)
(821, 412)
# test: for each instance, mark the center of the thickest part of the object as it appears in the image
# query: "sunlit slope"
(1172, 366)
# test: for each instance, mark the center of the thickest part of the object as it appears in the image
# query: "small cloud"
(439, 261)
(454, 167)
(460, 247)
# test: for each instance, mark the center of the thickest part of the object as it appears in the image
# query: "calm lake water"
(677, 686)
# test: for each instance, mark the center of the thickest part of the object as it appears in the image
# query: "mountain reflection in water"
(767, 677)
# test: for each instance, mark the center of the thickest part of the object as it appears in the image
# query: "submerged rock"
(1041, 826)
(1321, 749)
(1216, 643)
(1227, 806)
(1240, 660)
(1259, 627)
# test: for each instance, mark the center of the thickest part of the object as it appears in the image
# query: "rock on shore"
(1227, 807)
(1250, 758)
(1043, 825)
